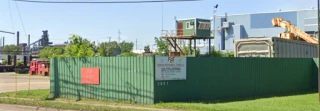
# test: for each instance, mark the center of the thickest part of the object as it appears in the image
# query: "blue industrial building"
(232, 27)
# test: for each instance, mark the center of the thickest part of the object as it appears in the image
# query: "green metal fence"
(315, 66)
(226, 78)
(121, 78)
(133, 78)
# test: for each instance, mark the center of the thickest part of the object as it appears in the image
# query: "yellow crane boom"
(280, 22)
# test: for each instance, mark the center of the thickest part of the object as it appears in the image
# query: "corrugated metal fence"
(121, 78)
(133, 78)
(228, 78)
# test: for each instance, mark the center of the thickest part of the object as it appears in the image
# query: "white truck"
(274, 47)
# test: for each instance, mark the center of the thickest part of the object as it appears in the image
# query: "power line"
(11, 16)
(24, 29)
(109, 2)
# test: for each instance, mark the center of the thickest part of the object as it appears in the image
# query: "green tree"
(79, 47)
(197, 52)
(228, 54)
(126, 46)
(19, 63)
(45, 53)
(5, 62)
(186, 50)
(102, 49)
(109, 49)
(128, 54)
(216, 53)
(11, 50)
(51, 52)
(163, 46)
(147, 49)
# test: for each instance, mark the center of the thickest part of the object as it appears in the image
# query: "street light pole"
(214, 25)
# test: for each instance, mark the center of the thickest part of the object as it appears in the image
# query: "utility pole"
(119, 35)
(136, 44)
(109, 39)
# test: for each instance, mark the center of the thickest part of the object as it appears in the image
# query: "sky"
(137, 22)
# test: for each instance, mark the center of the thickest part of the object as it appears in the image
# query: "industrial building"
(233, 27)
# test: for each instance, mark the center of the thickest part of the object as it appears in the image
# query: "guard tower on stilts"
(188, 30)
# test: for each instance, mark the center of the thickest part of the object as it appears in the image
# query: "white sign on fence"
(171, 68)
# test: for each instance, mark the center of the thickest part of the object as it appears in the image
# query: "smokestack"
(29, 42)
(18, 38)
(3, 42)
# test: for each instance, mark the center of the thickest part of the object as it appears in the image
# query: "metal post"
(3, 42)
(214, 25)
(318, 51)
(195, 46)
(175, 45)
(190, 47)
(15, 64)
(210, 46)
(29, 42)
(18, 38)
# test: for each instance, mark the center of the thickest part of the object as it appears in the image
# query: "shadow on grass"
(50, 99)
(239, 99)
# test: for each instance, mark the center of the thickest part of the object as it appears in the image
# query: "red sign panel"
(90, 76)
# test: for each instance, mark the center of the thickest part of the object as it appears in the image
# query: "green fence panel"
(315, 71)
(228, 78)
(121, 78)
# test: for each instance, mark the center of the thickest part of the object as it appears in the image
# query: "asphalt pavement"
(10, 82)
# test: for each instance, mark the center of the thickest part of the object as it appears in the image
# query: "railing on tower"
(177, 33)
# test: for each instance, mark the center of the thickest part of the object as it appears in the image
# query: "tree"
(79, 47)
(126, 46)
(147, 49)
(197, 52)
(216, 53)
(5, 62)
(228, 54)
(186, 50)
(51, 52)
(109, 49)
(11, 50)
(128, 54)
(102, 49)
(19, 63)
(163, 46)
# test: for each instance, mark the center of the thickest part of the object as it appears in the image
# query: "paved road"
(8, 82)
(6, 107)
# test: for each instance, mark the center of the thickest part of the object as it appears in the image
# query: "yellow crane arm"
(280, 22)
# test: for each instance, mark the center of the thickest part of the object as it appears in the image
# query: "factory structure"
(229, 28)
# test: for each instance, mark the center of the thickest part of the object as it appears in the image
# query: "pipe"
(7, 32)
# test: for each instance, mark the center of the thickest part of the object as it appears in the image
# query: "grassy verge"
(305, 102)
